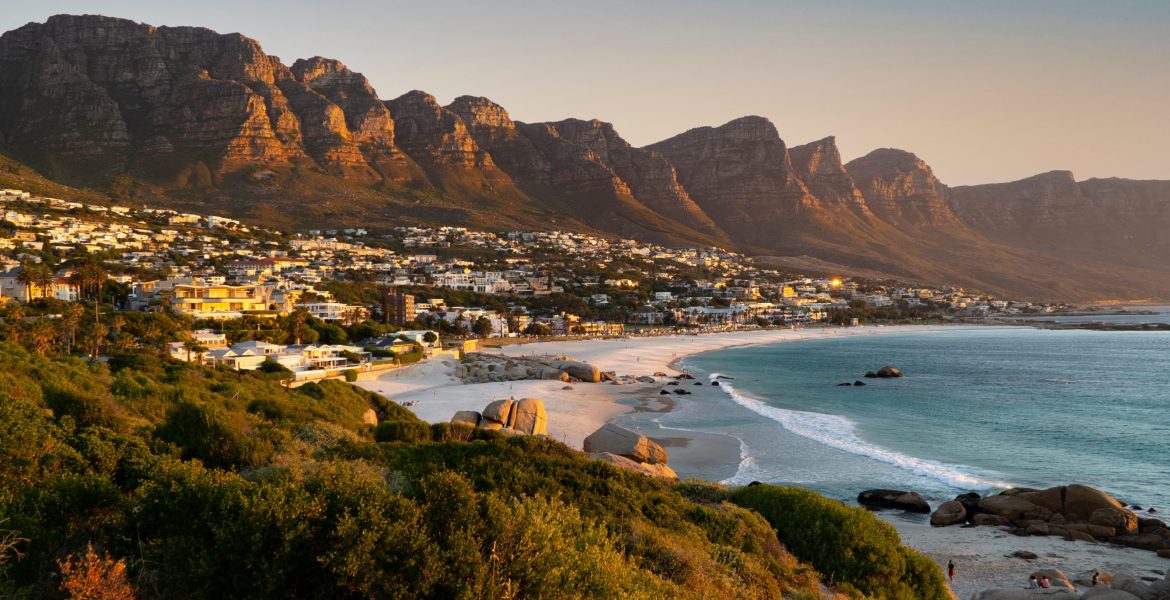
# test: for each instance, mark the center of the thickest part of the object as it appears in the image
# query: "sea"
(979, 409)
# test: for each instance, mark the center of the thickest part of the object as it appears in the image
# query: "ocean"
(979, 409)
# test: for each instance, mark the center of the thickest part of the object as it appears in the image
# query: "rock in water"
(948, 513)
(528, 417)
(615, 439)
(908, 501)
(889, 371)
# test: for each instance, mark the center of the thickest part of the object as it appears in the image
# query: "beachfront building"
(337, 312)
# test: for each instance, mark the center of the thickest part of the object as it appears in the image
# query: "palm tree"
(70, 318)
(41, 336)
(43, 278)
(27, 278)
(91, 277)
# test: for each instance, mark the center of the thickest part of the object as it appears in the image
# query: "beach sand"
(434, 394)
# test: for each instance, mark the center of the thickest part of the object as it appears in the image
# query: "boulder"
(1097, 531)
(1085, 579)
(1137, 587)
(517, 373)
(1164, 553)
(1051, 498)
(1056, 577)
(1053, 593)
(492, 425)
(498, 411)
(644, 379)
(1106, 593)
(970, 501)
(1023, 555)
(467, 417)
(583, 371)
(660, 470)
(1118, 518)
(889, 371)
(615, 439)
(988, 520)
(870, 374)
(528, 417)
(948, 513)
(898, 499)
(370, 417)
(1081, 501)
(1145, 541)
(1079, 536)
(1013, 508)
(858, 383)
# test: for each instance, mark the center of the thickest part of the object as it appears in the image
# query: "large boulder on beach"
(1140, 589)
(1051, 498)
(948, 513)
(659, 470)
(490, 425)
(498, 411)
(1056, 577)
(1081, 501)
(1013, 508)
(466, 417)
(990, 520)
(615, 439)
(897, 499)
(1025, 594)
(1085, 578)
(528, 417)
(583, 371)
(1119, 519)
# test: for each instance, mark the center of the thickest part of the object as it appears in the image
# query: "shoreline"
(574, 413)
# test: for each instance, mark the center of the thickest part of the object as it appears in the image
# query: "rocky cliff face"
(206, 121)
(900, 188)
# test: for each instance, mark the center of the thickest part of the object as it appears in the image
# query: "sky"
(983, 91)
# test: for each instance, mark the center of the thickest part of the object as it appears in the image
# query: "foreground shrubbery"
(190, 482)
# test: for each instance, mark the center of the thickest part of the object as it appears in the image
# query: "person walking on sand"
(951, 570)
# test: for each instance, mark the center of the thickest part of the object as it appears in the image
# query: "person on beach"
(951, 569)
(1096, 574)
(1032, 584)
(1044, 582)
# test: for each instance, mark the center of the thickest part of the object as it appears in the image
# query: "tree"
(482, 327)
(27, 277)
(91, 277)
(430, 337)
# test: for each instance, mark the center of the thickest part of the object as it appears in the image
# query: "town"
(324, 301)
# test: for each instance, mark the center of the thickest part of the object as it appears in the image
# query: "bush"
(351, 375)
(849, 546)
(218, 438)
(402, 431)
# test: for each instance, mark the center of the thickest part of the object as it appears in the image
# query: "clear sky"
(982, 90)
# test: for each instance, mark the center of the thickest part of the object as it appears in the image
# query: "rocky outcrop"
(630, 450)
(948, 513)
(516, 417)
(1076, 512)
(900, 188)
(886, 372)
(615, 439)
(896, 499)
(483, 368)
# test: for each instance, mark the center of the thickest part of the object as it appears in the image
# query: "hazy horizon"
(986, 93)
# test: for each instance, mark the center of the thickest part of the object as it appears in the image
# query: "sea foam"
(840, 433)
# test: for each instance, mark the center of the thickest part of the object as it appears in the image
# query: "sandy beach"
(431, 390)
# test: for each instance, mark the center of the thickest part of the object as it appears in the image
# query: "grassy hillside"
(168, 480)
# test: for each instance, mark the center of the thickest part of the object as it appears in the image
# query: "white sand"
(979, 553)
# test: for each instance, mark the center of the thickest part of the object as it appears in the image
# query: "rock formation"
(1076, 512)
(896, 499)
(520, 417)
(629, 449)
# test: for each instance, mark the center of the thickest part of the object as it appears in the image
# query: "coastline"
(981, 553)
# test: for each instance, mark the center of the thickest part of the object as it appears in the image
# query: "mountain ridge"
(190, 118)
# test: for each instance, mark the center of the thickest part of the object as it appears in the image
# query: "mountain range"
(189, 118)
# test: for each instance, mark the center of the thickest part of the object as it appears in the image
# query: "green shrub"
(452, 432)
(351, 375)
(215, 436)
(402, 431)
(849, 546)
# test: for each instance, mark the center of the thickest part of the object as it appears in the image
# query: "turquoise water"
(979, 409)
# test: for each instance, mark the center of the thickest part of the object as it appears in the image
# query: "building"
(337, 311)
(219, 301)
(397, 308)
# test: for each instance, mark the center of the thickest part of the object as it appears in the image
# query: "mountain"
(193, 119)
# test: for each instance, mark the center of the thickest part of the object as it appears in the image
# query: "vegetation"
(162, 479)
